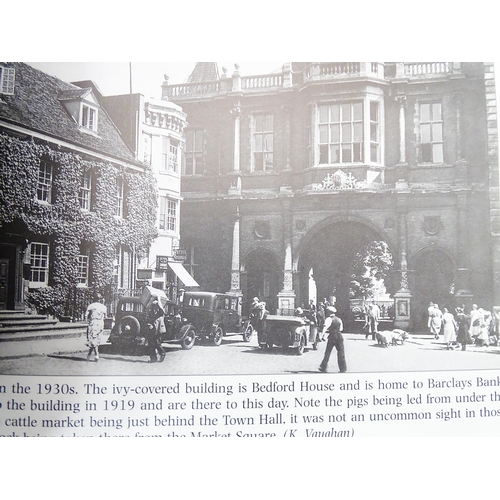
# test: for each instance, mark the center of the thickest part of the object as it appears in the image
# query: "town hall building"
(286, 176)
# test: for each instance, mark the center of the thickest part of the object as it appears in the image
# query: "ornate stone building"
(154, 130)
(286, 176)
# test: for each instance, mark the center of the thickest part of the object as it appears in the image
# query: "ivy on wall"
(64, 223)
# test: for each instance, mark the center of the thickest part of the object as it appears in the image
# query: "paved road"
(68, 357)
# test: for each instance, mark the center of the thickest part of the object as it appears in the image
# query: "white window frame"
(169, 214)
(85, 193)
(170, 155)
(261, 137)
(435, 134)
(193, 151)
(7, 80)
(375, 131)
(340, 131)
(83, 271)
(45, 181)
(119, 197)
(117, 266)
(148, 148)
(39, 264)
(88, 117)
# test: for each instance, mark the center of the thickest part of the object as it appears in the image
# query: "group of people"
(479, 327)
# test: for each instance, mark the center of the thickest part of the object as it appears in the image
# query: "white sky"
(112, 78)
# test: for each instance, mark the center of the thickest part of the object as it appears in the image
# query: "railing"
(314, 71)
(193, 89)
(426, 68)
(262, 81)
(330, 70)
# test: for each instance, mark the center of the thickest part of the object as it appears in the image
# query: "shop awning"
(182, 273)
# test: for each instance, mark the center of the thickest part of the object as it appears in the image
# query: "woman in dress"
(435, 321)
(475, 322)
(449, 328)
(95, 314)
(483, 339)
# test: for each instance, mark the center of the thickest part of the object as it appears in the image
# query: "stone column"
(402, 129)
(288, 137)
(402, 166)
(286, 298)
(235, 188)
(463, 293)
(402, 298)
(235, 290)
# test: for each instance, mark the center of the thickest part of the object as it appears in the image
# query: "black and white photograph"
(248, 218)
(251, 250)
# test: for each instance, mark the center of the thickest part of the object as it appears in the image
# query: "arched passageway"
(329, 250)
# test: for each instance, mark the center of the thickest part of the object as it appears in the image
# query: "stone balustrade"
(426, 68)
(315, 71)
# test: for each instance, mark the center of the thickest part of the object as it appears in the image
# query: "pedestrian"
(333, 326)
(156, 327)
(435, 322)
(257, 315)
(475, 322)
(463, 323)
(449, 328)
(95, 314)
(372, 320)
(320, 315)
(495, 322)
(483, 339)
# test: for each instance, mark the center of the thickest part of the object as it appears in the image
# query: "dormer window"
(82, 105)
(7, 78)
(89, 117)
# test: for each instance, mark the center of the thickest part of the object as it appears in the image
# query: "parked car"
(131, 325)
(215, 315)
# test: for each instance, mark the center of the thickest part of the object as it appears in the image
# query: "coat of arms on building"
(432, 224)
(339, 180)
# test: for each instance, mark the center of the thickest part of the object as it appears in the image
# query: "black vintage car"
(215, 315)
(131, 325)
(289, 331)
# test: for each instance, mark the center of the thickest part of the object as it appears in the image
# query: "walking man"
(333, 326)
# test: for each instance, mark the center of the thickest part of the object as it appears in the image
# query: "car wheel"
(247, 334)
(189, 339)
(217, 336)
(130, 326)
(302, 345)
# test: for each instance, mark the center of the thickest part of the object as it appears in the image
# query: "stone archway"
(329, 249)
(262, 277)
(432, 281)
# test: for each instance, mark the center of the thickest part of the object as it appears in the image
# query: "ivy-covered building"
(77, 209)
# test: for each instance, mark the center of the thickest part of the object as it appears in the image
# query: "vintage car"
(131, 325)
(288, 331)
(215, 315)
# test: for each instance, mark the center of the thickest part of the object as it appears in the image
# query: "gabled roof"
(68, 95)
(204, 72)
(37, 105)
